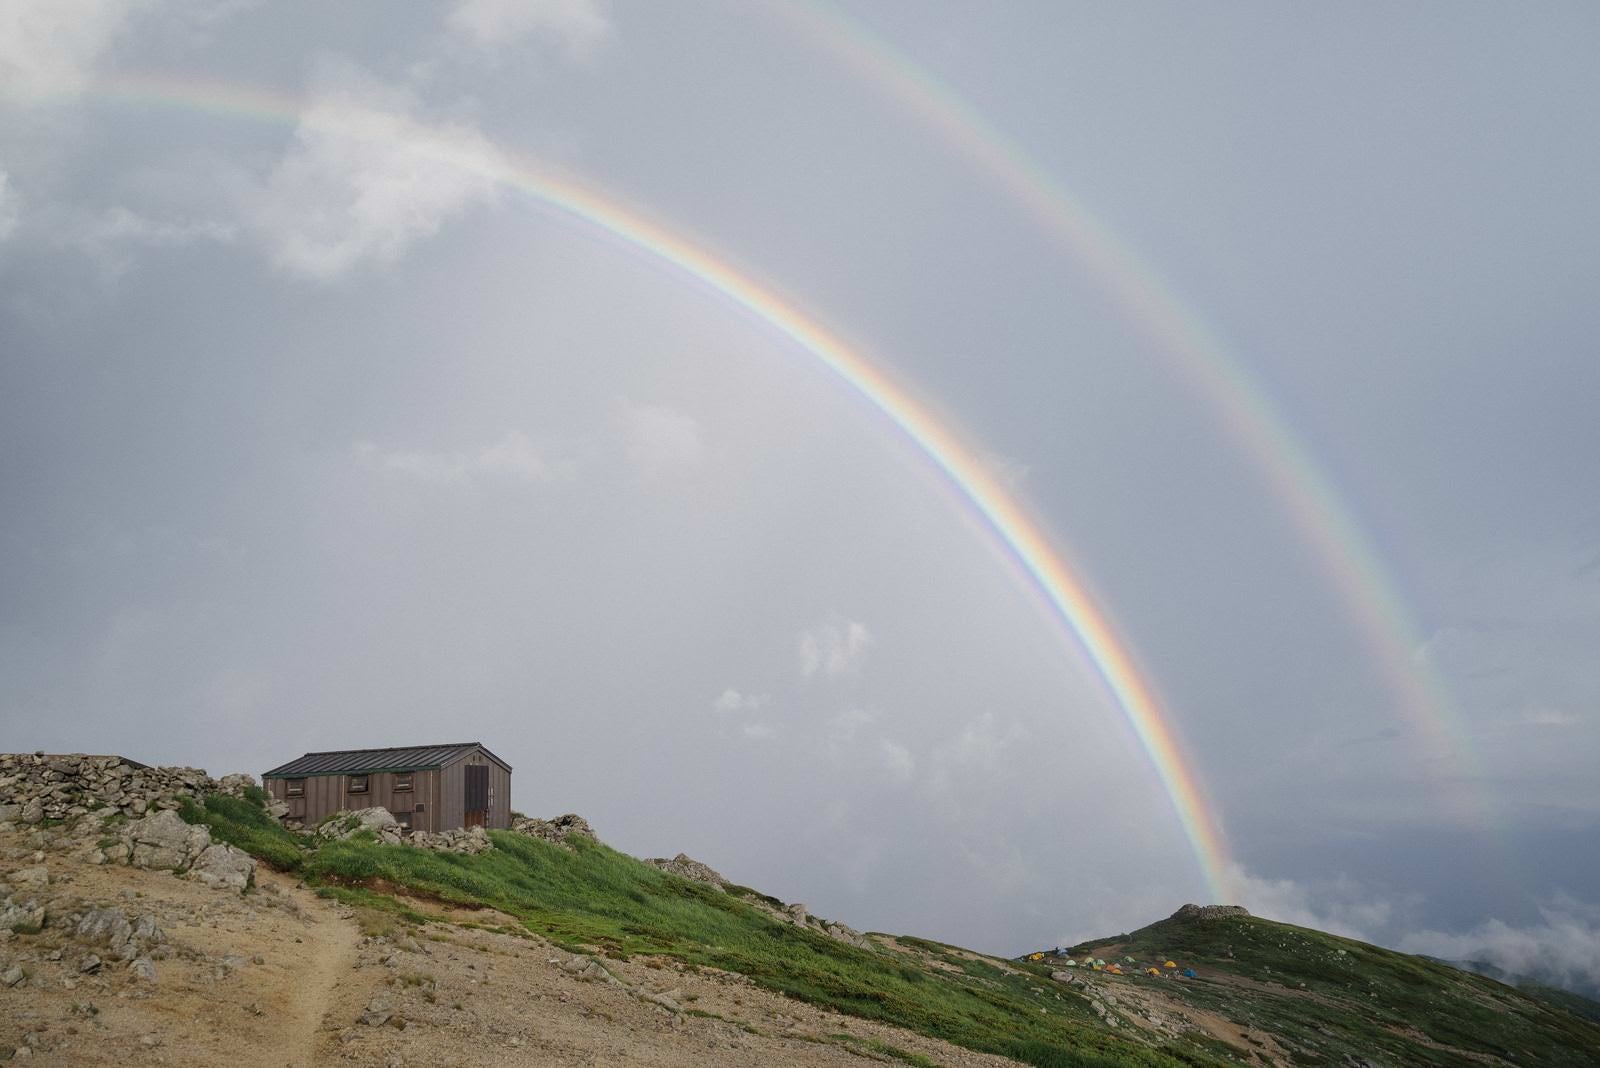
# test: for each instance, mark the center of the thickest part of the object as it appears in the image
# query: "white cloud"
(512, 458)
(843, 728)
(833, 649)
(50, 47)
(580, 27)
(1563, 950)
(106, 237)
(896, 759)
(10, 207)
(661, 441)
(1010, 471)
(364, 179)
(732, 701)
(978, 756)
(1548, 716)
(1340, 907)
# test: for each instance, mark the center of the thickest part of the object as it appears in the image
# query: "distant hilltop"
(1209, 912)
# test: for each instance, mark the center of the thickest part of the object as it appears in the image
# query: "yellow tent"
(1170, 964)
(1114, 969)
(1036, 956)
(1153, 971)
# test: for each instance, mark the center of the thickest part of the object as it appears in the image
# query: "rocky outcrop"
(379, 820)
(163, 840)
(557, 830)
(57, 786)
(469, 840)
(1202, 913)
(686, 867)
(387, 830)
(109, 928)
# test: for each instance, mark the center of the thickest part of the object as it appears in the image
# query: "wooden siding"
(453, 783)
(442, 792)
(327, 794)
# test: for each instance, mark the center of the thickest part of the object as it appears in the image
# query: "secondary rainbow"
(1336, 542)
(1065, 594)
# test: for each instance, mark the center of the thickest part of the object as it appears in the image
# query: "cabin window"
(403, 819)
(358, 784)
(294, 788)
(402, 780)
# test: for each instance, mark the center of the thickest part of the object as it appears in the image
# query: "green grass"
(1326, 999)
(1330, 996)
(589, 898)
(245, 822)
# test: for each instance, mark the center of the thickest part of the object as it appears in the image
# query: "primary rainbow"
(1337, 543)
(1066, 595)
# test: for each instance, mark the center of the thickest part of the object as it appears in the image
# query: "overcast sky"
(312, 439)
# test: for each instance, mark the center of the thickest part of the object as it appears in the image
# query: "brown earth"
(281, 976)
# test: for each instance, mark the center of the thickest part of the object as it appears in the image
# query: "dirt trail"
(330, 954)
(281, 976)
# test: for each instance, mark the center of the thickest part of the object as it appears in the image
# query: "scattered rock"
(90, 963)
(143, 968)
(35, 878)
(557, 830)
(22, 917)
(1209, 912)
(106, 927)
(39, 786)
(468, 840)
(223, 867)
(378, 1012)
(12, 976)
(379, 820)
(686, 867)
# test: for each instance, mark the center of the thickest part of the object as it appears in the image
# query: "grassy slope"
(246, 824)
(1327, 997)
(594, 897)
(1290, 981)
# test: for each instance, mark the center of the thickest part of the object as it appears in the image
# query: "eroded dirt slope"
(281, 976)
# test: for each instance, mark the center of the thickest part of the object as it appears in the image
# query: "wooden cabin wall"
(327, 794)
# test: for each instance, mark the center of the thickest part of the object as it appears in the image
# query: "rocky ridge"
(35, 787)
(1206, 913)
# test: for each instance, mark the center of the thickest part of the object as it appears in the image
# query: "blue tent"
(1188, 973)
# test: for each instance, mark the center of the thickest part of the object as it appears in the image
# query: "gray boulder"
(28, 918)
(163, 840)
(35, 878)
(105, 927)
(557, 830)
(223, 867)
(380, 821)
(686, 867)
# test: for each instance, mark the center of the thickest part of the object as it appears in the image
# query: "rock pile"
(135, 941)
(378, 820)
(42, 786)
(557, 830)
(381, 822)
(686, 867)
(162, 840)
(468, 840)
(1209, 912)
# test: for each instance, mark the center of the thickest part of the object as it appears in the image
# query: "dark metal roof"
(356, 761)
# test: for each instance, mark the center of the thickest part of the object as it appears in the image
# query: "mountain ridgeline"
(652, 956)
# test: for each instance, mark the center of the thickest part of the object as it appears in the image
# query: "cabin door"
(477, 806)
